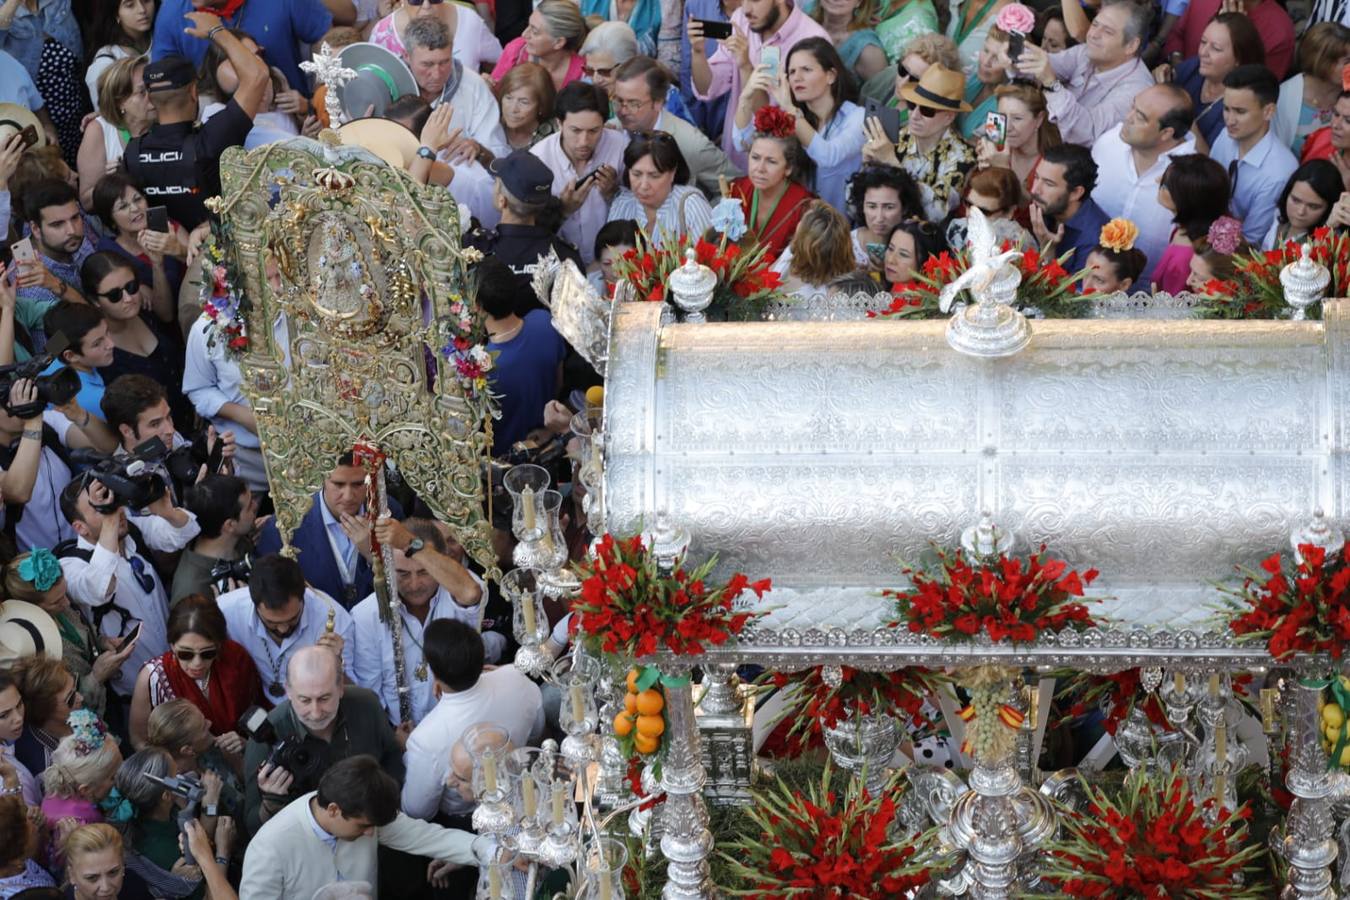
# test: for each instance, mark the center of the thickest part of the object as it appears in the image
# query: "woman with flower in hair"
(1115, 264)
(1215, 259)
(93, 659)
(79, 780)
(1195, 188)
(989, 73)
(771, 197)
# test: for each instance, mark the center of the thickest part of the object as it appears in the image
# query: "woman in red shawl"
(770, 195)
(202, 666)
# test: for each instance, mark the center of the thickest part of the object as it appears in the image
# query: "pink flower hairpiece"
(1016, 17)
(1225, 235)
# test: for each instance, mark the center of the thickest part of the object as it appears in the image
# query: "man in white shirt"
(586, 160)
(333, 834)
(468, 695)
(278, 614)
(108, 568)
(432, 585)
(441, 79)
(1136, 153)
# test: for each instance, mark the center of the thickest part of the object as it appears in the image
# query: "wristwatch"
(210, 810)
(414, 546)
(426, 152)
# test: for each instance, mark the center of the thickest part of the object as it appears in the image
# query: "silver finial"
(986, 538)
(1317, 532)
(692, 286)
(992, 327)
(1305, 283)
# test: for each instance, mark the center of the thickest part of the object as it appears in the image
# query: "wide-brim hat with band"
(381, 78)
(386, 138)
(14, 119)
(27, 630)
(939, 88)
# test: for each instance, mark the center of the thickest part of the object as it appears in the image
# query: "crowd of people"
(161, 654)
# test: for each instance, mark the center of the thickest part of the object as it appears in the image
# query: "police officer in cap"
(523, 194)
(177, 162)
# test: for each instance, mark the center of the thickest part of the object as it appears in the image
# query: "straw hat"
(15, 118)
(940, 88)
(27, 630)
(386, 138)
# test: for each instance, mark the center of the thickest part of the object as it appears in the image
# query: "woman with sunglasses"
(202, 666)
(49, 697)
(93, 660)
(996, 193)
(142, 344)
(475, 46)
(120, 205)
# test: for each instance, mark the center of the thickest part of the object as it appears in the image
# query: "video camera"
(227, 570)
(189, 789)
(305, 758)
(130, 478)
(56, 389)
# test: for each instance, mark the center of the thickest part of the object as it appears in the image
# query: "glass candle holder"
(578, 715)
(561, 845)
(603, 859)
(529, 622)
(525, 483)
(487, 745)
(534, 771)
(496, 868)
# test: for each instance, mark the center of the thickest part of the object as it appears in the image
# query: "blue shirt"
(1081, 233)
(279, 27)
(67, 272)
(1259, 179)
(16, 85)
(525, 376)
(91, 389)
(24, 37)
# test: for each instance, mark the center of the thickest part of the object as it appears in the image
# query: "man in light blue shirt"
(1258, 163)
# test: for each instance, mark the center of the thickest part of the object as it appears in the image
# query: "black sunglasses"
(663, 137)
(189, 655)
(926, 111)
(130, 288)
(905, 73)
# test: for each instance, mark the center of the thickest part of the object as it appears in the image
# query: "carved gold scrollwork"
(351, 269)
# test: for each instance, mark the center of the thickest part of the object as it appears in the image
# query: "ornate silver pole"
(1307, 844)
(687, 842)
(728, 745)
(372, 458)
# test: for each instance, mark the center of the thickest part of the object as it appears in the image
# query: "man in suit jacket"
(640, 88)
(333, 539)
(333, 834)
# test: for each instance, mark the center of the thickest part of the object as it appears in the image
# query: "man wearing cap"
(522, 193)
(930, 149)
(281, 28)
(177, 161)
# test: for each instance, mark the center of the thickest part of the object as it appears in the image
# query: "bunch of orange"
(642, 716)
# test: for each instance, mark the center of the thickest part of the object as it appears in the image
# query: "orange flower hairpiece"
(775, 122)
(1345, 78)
(1119, 235)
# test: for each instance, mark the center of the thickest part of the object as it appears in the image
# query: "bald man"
(329, 720)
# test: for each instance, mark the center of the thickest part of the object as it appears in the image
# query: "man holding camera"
(108, 568)
(322, 721)
(217, 561)
(35, 462)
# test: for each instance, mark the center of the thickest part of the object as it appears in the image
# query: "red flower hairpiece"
(775, 122)
(1345, 78)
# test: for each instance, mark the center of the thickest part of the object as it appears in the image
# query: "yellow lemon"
(1345, 757)
(1331, 731)
(1332, 715)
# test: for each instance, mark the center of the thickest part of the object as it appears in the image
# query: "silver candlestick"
(1307, 843)
(687, 842)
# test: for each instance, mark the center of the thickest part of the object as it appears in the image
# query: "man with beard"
(278, 615)
(57, 223)
(1063, 214)
(758, 24)
(330, 721)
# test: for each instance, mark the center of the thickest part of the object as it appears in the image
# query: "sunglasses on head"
(926, 111)
(185, 655)
(70, 698)
(130, 289)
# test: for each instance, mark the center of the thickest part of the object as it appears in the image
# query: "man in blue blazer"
(333, 538)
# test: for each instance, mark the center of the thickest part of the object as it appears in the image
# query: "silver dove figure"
(984, 265)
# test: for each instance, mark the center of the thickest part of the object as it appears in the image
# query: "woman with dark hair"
(49, 696)
(879, 198)
(119, 30)
(909, 245)
(18, 871)
(124, 112)
(1051, 34)
(202, 665)
(11, 729)
(1229, 41)
(1305, 204)
(1195, 188)
(217, 81)
(155, 256)
(771, 194)
(656, 193)
(997, 194)
(137, 316)
(1115, 264)
(819, 91)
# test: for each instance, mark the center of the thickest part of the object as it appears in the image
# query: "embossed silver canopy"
(820, 453)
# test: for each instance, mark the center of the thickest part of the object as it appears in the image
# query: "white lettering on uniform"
(166, 156)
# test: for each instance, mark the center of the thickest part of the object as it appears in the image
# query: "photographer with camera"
(321, 723)
(108, 566)
(219, 559)
(278, 614)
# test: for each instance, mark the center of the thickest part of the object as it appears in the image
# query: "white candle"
(494, 883)
(1214, 685)
(1179, 683)
(606, 889)
(527, 508)
(559, 795)
(531, 802)
(527, 614)
(1221, 743)
(490, 772)
(578, 704)
(1220, 788)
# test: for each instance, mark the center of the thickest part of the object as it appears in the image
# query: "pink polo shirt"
(726, 75)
